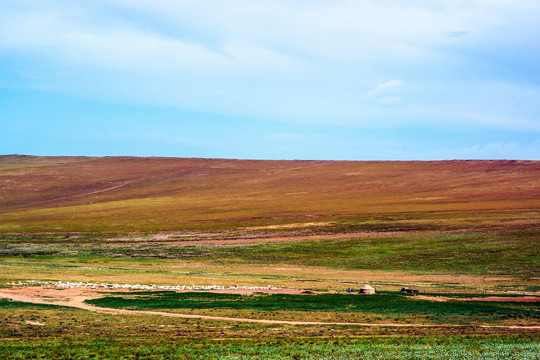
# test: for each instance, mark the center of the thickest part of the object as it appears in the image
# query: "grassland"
(494, 260)
(459, 227)
(120, 195)
(45, 331)
(380, 308)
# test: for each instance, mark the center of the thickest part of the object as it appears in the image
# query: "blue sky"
(282, 79)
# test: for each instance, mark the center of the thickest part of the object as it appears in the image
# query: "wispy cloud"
(387, 87)
(385, 94)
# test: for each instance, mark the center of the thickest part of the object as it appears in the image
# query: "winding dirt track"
(77, 300)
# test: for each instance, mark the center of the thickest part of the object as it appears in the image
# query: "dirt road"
(76, 298)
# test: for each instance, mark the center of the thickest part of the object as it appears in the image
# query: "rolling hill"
(131, 194)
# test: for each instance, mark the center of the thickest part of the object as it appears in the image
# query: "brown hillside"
(169, 194)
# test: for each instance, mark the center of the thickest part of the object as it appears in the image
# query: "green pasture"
(29, 331)
(386, 306)
(367, 348)
(504, 252)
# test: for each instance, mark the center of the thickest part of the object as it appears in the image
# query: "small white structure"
(366, 289)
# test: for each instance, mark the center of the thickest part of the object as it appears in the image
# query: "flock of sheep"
(90, 285)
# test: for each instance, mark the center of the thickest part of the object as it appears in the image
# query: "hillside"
(130, 194)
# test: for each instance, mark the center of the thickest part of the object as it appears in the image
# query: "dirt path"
(76, 298)
(79, 195)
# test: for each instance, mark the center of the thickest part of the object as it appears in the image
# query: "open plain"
(298, 233)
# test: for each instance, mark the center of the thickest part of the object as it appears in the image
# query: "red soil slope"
(169, 194)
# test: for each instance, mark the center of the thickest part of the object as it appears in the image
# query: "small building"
(366, 289)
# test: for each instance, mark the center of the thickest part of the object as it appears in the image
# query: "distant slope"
(39, 194)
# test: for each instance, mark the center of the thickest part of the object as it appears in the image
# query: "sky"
(281, 79)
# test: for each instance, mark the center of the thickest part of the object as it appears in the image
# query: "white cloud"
(387, 87)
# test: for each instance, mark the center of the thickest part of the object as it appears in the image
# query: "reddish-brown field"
(128, 194)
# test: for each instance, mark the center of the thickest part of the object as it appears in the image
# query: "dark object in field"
(307, 292)
(409, 291)
(350, 290)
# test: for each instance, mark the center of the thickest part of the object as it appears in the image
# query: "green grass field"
(37, 331)
(384, 306)
(282, 348)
